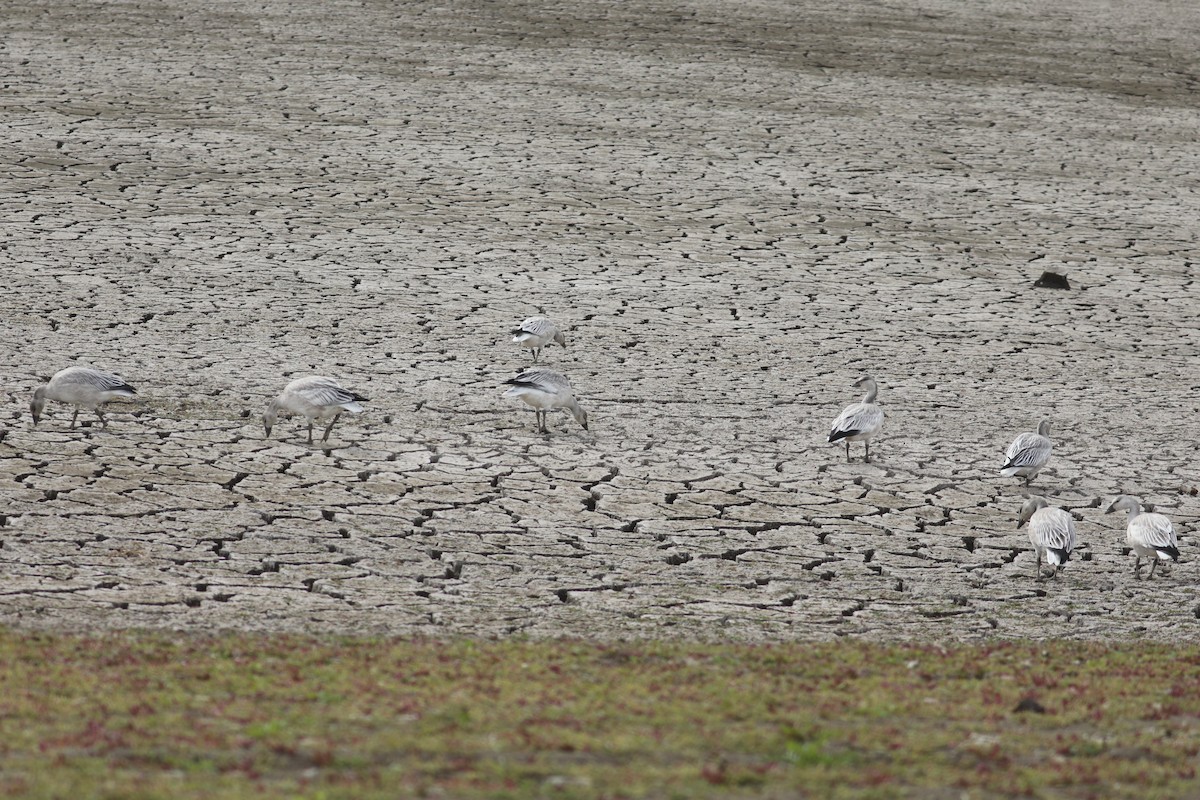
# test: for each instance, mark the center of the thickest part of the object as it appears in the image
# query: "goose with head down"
(546, 390)
(84, 388)
(313, 397)
(536, 333)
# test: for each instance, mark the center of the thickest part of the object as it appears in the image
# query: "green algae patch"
(141, 715)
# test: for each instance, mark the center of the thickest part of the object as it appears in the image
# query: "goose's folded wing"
(1027, 450)
(100, 381)
(535, 326)
(856, 419)
(1157, 531)
(327, 394)
(543, 380)
(1056, 529)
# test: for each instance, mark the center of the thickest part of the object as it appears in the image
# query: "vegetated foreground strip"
(144, 715)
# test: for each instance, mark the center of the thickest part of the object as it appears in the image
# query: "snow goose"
(537, 332)
(1051, 531)
(545, 389)
(860, 421)
(1028, 453)
(1149, 535)
(315, 397)
(83, 387)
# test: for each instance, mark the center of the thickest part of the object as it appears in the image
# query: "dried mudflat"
(734, 209)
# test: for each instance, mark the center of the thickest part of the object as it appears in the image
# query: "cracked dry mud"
(735, 210)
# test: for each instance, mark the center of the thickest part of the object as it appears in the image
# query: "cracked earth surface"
(734, 210)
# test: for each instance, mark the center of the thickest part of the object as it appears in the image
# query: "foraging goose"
(1028, 453)
(545, 389)
(83, 387)
(1051, 531)
(537, 332)
(860, 421)
(1149, 535)
(315, 397)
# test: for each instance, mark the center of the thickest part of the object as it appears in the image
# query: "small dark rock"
(1030, 705)
(1052, 280)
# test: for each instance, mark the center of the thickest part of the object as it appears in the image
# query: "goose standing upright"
(1028, 453)
(1051, 532)
(860, 421)
(1149, 535)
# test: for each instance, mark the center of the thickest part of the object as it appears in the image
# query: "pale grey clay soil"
(733, 209)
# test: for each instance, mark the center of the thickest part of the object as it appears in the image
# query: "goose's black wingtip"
(835, 436)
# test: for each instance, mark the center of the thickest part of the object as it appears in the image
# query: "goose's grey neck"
(872, 391)
(1044, 428)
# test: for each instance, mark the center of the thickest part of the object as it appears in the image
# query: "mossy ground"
(179, 716)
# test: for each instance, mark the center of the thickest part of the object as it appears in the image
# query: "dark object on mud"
(1029, 704)
(1052, 280)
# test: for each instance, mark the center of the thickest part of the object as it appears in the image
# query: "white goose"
(1150, 535)
(537, 332)
(315, 397)
(1051, 532)
(545, 389)
(83, 387)
(860, 421)
(1028, 453)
